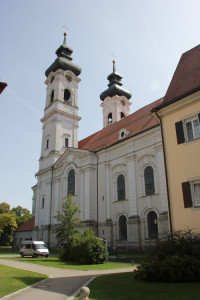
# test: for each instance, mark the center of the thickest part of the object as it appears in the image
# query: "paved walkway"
(62, 284)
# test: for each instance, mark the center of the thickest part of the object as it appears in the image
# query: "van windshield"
(40, 246)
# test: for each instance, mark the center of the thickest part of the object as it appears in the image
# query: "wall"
(183, 161)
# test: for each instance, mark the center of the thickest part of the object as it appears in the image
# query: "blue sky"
(146, 36)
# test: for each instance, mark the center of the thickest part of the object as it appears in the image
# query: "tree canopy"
(22, 215)
(10, 219)
(68, 221)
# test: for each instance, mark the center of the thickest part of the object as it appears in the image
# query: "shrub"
(181, 243)
(86, 249)
(170, 269)
(176, 258)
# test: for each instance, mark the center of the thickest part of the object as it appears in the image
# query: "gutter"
(166, 175)
(50, 212)
(97, 195)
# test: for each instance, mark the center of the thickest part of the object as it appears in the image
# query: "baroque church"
(115, 175)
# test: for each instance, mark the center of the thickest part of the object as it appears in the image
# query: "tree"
(7, 227)
(10, 220)
(68, 222)
(22, 215)
(4, 207)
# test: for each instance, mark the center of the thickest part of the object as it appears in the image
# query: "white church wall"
(130, 159)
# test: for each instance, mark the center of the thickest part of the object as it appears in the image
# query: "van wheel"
(22, 254)
(34, 255)
(46, 256)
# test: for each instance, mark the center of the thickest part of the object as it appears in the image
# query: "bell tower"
(115, 100)
(60, 121)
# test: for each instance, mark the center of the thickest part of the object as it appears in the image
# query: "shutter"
(187, 198)
(180, 132)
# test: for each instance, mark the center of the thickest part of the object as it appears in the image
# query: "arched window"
(110, 118)
(149, 181)
(122, 228)
(121, 187)
(52, 96)
(66, 95)
(71, 182)
(122, 115)
(152, 225)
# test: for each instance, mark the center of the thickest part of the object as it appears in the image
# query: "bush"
(170, 269)
(86, 249)
(176, 258)
(181, 243)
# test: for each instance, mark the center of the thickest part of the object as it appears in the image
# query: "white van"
(33, 248)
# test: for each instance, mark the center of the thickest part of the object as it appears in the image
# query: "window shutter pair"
(180, 131)
(187, 198)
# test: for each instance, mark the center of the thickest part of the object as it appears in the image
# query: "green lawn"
(56, 263)
(13, 279)
(125, 287)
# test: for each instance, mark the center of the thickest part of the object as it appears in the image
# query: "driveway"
(62, 284)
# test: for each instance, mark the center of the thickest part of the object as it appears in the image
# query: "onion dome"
(115, 86)
(63, 60)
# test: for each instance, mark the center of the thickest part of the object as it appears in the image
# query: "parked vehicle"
(33, 248)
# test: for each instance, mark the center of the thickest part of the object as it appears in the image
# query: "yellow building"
(179, 114)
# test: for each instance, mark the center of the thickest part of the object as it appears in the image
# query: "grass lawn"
(12, 279)
(56, 263)
(125, 287)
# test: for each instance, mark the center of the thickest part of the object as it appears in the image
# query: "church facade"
(116, 175)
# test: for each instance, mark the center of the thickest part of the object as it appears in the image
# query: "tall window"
(66, 95)
(52, 96)
(192, 129)
(110, 118)
(121, 187)
(42, 206)
(122, 115)
(122, 228)
(149, 181)
(71, 182)
(47, 143)
(66, 142)
(196, 194)
(152, 225)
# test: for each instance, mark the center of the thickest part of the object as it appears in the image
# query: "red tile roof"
(135, 124)
(186, 78)
(27, 226)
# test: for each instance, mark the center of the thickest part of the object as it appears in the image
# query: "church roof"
(186, 78)
(115, 86)
(28, 225)
(63, 60)
(134, 124)
(3, 85)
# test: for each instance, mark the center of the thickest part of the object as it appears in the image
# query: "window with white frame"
(191, 193)
(122, 228)
(196, 193)
(149, 181)
(71, 182)
(192, 129)
(121, 193)
(188, 129)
